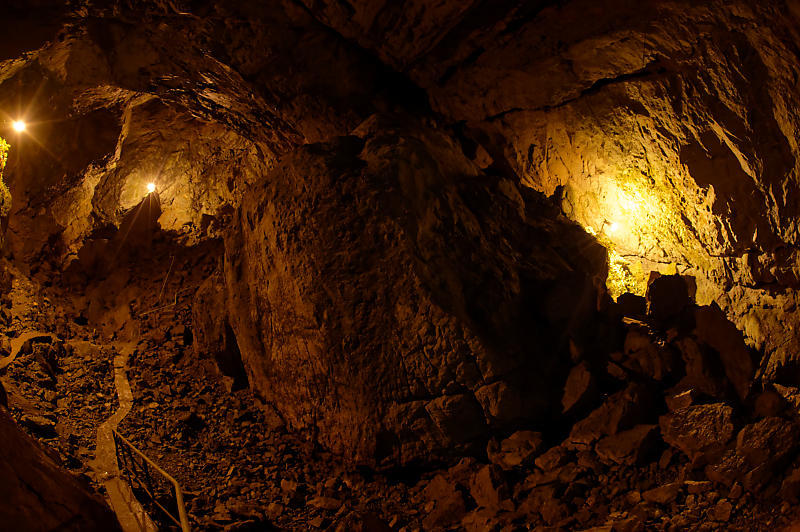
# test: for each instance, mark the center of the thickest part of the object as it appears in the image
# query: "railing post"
(132, 466)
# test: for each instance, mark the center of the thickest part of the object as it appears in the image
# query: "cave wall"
(667, 130)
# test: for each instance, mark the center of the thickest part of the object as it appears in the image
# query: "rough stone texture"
(630, 446)
(579, 389)
(643, 120)
(398, 294)
(699, 428)
(519, 449)
(214, 337)
(768, 441)
(620, 411)
(372, 306)
(37, 494)
(646, 115)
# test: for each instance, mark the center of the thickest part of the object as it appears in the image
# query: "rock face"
(695, 179)
(37, 494)
(644, 122)
(373, 306)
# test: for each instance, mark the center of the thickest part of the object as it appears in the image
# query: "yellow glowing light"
(19, 126)
(612, 227)
(151, 187)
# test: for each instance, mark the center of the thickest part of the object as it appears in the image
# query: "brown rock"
(553, 458)
(458, 417)
(579, 390)
(325, 503)
(488, 487)
(727, 469)
(620, 411)
(501, 402)
(448, 502)
(519, 449)
(721, 511)
(213, 336)
(699, 428)
(698, 486)
(378, 287)
(646, 357)
(769, 403)
(768, 441)
(678, 398)
(667, 296)
(702, 369)
(790, 394)
(714, 329)
(362, 522)
(481, 519)
(36, 493)
(630, 446)
(632, 305)
(663, 494)
(790, 487)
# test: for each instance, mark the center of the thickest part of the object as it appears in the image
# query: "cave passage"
(408, 266)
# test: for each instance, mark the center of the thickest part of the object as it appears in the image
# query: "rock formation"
(406, 300)
(555, 239)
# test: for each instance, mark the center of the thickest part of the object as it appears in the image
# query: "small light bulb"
(19, 126)
(612, 227)
(151, 187)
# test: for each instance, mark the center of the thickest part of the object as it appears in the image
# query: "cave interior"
(369, 265)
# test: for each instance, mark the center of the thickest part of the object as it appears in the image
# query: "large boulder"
(36, 494)
(698, 429)
(394, 301)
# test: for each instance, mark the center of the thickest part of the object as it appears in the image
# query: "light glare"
(151, 187)
(19, 126)
(612, 227)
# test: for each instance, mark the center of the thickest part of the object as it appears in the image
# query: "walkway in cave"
(132, 516)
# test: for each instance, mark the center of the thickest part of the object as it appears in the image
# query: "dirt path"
(130, 513)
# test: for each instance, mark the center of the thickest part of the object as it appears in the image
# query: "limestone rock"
(579, 390)
(699, 428)
(630, 446)
(363, 264)
(620, 411)
(663, 494)
(519, 449)
(38, 494)
(488, 488)
(767, 441)
(713, 329)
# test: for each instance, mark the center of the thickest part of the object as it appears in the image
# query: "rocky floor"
(665, 436)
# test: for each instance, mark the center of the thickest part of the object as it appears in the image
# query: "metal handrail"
(183, 519)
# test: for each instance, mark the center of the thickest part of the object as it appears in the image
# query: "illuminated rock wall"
(394, 302)
(668, 128)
